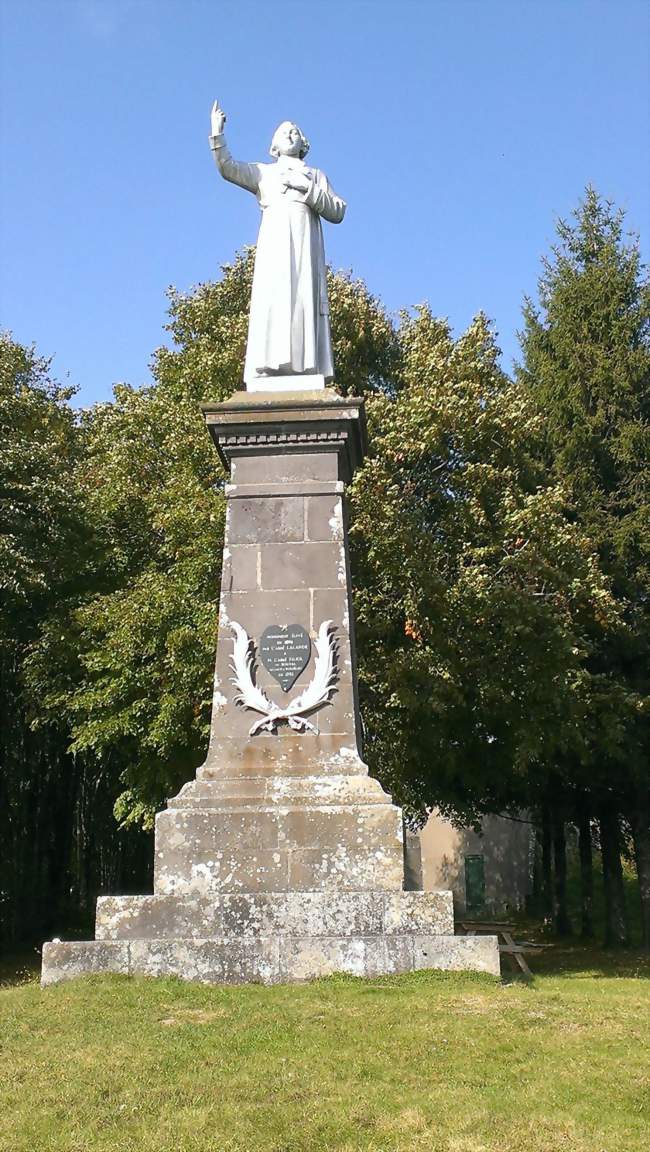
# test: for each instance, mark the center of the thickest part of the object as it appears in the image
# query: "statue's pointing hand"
(217, 119)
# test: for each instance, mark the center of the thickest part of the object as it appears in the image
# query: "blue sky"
(457, 132)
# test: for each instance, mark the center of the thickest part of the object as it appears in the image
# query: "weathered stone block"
(238, 915)
(285, 466)
(255, 956)
(424, 913)
(265, 848)
(457, 953)
(338, 716)
(232, 792)
(212, 872)
(398, 954)
(149, 917)
(324, 518)
(65, 959)
(342, 868)
(291, 913)
(208, 961)
(256, 610)
(240, 568)
(334, 789)
(310, 958)
(283, 755)
(342, 914)
(358, 827)
(331, 604)
(304, 565)
(255, 521)
(283, 791)
(198, 832)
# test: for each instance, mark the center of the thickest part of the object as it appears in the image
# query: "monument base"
(283, 860)
(272, 937)
(293, 383)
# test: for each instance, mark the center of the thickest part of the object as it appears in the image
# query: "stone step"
(284, 753)
(289, 914)
(269, 959)
(291, 791)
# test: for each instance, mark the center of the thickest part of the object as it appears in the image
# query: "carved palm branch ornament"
(312, 697)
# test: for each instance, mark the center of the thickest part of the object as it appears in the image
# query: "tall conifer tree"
(586, 362)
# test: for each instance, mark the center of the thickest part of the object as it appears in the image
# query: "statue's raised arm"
(245, 175)
(288, 332)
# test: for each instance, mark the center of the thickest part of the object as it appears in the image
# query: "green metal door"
(474, 883)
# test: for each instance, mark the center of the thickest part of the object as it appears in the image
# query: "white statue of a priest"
(288, 329)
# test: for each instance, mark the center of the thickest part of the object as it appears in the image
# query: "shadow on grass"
(572, 957)
(576, 959)
(20, 968)
(22, 964)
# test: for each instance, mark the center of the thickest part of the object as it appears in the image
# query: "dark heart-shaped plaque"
(284, 652)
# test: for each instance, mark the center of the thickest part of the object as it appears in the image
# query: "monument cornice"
(264, 423)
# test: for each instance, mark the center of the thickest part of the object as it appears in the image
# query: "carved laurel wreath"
(313, 696)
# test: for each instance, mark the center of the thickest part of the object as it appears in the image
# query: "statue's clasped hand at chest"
(288, 331)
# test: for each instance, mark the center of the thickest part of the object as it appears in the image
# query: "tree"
(38, 533)
(586, 367)
(45, 793)
(474, 593)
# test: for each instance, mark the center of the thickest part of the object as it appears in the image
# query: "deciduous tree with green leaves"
(56, 837)
(475, 594)
(38, 524)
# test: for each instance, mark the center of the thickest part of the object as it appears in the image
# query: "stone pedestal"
(282, 860)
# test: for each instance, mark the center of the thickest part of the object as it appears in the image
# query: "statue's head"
(288, 140)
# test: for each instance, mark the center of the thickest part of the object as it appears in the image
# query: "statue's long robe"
(288, 330)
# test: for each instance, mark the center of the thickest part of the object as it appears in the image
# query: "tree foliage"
(586, 367)
(56, 838)
(474, 592)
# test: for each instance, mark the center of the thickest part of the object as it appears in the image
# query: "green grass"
(428, 1062)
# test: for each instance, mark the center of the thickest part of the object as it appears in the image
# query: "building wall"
(506, 848)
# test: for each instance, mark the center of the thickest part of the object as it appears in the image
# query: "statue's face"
(288, 140)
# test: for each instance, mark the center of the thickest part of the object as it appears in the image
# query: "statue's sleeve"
(322, 198)
(245, 175)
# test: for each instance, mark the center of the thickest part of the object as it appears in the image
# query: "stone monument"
(283, 859)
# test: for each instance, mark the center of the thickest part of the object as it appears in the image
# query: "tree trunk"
(615, 923)
(536, 892)
(586, 872)
(561, 921)
(641, 833)
(547, 864)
